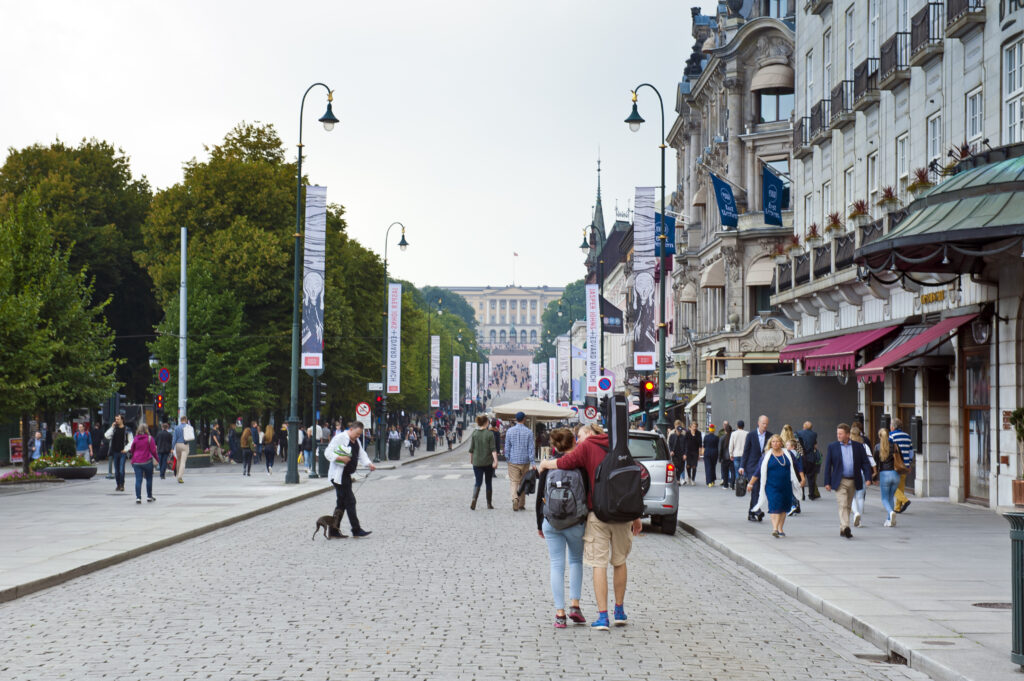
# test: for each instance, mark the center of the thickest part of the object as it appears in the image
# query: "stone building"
(508, 317)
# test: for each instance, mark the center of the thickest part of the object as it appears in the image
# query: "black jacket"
(163, 441)
(528, 485)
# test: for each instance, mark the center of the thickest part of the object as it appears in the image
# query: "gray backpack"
(565, 498)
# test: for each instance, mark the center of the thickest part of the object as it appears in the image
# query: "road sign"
(363, 413)
(375, 387)
(589, 414)
(164, 375)
(604, 385)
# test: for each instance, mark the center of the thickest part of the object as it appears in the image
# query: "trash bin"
(394, 450)
(1016, 520)
(322, 464)
(431, 443)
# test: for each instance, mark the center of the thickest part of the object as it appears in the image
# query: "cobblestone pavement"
(437, 592)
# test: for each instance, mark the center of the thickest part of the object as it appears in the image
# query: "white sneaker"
(856, 520)
(888, 523)
(892, 520)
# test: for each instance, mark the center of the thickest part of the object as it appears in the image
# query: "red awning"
(840, 353)
(875, 369)
(795, 351)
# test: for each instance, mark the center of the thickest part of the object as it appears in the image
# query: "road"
(436, 592)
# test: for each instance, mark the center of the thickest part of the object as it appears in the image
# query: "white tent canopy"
(535, 410)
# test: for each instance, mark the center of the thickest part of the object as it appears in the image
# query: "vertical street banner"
(562, 360)
(645, 315)
(552, 380)
(313, 278)
(772, 190)
(435, 371)
(670, 235)
(476, 375)
(455, 383)
(593, 359)
(394, 371)
(535, 379)
(542, 380)
(726, 202)
(469, 383)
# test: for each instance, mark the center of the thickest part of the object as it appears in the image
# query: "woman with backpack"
(562, 527)
(484, 457)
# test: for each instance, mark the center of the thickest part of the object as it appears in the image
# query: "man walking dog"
(345, 455)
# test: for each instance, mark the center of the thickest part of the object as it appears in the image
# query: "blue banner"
(772, 194)
(725, 200)
(670, 235)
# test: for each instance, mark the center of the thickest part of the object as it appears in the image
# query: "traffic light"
(604, 406)
(160, 401)
(646, 395)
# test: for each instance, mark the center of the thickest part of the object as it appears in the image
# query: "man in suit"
(812, 458)
(843, 461)
(753, 447)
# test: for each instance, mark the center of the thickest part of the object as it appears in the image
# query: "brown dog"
(326, 522)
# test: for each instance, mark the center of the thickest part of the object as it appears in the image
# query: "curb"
(15, 592)
(887, 644)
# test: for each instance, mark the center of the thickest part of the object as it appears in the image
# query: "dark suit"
(845, 486)
(812, 460)
(752, 451)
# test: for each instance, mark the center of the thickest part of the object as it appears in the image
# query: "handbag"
(741, 485)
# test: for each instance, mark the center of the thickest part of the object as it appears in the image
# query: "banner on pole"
(476, 384)
(670, 235)
(645, 310)
(590, 302)
(552, 380)
(726, 202)
(611, 321)
(542, 381)
(313, 278)
(455, 383)
(562, 360)
(772, 191)
(435, 371)
(535, 379)
(469, 383)
(394, 371)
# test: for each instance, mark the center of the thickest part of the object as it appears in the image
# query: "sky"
(477, 124)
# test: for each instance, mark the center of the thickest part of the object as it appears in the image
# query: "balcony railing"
(927, 30)
(845, 246)
(894, 61)
(801, 136)
(819, 124)
(871, 232)
(785, 276)
(865, 84)
(962, 16)
(842, 105)
(822, 260)
(802, 268)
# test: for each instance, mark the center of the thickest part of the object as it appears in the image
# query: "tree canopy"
(571, 304)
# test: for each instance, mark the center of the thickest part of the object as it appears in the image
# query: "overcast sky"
(475, 123)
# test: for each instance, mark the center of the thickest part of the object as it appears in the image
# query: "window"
(808, 210)
(826, 63)
(873, 181)
(902, 171)
(975, 112)
(502, 335)
(851, 41)
(872, 28)
(494, 336)
(826, 202)
(760, 299)
(849, 188)
(1013, 92)
(935, 142)
(775, 8)
(533, 336)
(774, 105)
(809, 85)
(781, 168)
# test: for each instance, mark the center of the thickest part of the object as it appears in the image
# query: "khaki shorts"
(605, 543)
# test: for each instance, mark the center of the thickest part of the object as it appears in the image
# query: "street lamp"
(635, 121)
(429, 377)
(328, 120)
(382, 416)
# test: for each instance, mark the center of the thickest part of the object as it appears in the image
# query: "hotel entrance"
(976, 416)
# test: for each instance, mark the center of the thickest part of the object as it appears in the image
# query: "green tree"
(571, 305)
(454, 303)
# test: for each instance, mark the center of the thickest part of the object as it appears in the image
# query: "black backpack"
(618, 480)
(565, 498)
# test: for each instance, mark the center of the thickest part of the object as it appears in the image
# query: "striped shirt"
(903, 441)
(519, 444)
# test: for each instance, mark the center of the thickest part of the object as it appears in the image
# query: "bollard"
(1016, 520)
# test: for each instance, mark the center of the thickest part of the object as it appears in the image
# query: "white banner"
(542, 380)
(476, 375)
(645, 328)
(315, 248)
(455, 383)
(535, 379)
(435, 371)
(394, 339)
(562, 360)
(552, 380)
(469, 383)
(592, 302)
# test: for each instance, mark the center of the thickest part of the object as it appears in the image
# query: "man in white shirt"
(736, 440)
(345, 453)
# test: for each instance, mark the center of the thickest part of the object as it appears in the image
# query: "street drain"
(882, 658)
(887, 577)
(939, 643)
(994, 606)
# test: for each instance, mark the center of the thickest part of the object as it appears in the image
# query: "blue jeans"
(889, 481)
(143, 470)
(558, 541)
(119, 460)
(164, 460)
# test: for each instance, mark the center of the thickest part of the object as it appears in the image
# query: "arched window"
(502, 336)
(494, 336)
(522, 336)
(533, 336)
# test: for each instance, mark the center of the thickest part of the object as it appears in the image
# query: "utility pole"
(183, 328)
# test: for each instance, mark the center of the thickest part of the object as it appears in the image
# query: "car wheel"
(669, 523)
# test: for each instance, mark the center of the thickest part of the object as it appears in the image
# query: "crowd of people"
(509, 375)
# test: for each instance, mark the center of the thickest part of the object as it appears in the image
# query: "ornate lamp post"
(382, 417)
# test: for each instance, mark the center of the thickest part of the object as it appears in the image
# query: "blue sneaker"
(601, 623)
(620, 615)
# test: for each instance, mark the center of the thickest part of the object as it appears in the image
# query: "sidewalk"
(913, 590)
(66, 530)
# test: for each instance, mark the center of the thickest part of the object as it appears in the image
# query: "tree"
(453, 303)
(572, 306)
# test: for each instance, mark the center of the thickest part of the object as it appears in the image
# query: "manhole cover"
(994, 606)
(939, 643)
(887, 577)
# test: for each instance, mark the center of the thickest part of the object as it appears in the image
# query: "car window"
(647, 449)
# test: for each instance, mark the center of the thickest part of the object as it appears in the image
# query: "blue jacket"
(808, 440)
(752, 451)
(834, 465)
(179, 435)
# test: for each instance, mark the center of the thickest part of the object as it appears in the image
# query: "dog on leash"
(326, 522)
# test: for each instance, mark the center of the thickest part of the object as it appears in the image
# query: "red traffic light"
(649, 386)
(379, 399)
(159, 401)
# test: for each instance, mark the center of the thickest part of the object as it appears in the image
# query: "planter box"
(1018, 492)
(198, 461)
(71, 472)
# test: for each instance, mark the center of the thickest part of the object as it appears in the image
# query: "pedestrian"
(906, 446)
(603, 543)
(890, 467)
(776, 474)
(36, 445)
(724, 460)
(99, 443)
(560, 541)
(345, 454)
(709, 448)
(736, 443)
(247, 445)
(143, 451)
(281, 442)
(812, 458)
(308, 445)
(257, 439)
(181, 445)
(676, 450)
(234, 446)
(519, 452)
(753, 447)
(846, 470)
(483, 455)
(164, 444)
(268, 448)
(857, 435)
(83, 443)
(692, 442)
(120, 439)
(216, 444)
(796, 450)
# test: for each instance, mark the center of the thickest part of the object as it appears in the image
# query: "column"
(735, 107)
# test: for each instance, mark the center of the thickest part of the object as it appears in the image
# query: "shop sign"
(935, 296)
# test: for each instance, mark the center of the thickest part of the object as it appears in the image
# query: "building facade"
(906, 283)
(508, 317)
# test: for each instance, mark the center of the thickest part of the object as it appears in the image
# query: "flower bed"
(75, 468)
(21, 478)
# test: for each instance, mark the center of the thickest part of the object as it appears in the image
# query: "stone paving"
(436, 592)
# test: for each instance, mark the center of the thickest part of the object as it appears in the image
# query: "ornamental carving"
(732, 263)
(773, 50)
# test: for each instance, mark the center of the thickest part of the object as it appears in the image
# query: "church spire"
(598, 208)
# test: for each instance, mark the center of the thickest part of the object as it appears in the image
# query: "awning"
(713, 276)
(761, 273)
(840, 354)
(875, 369)
(700, 198)
(697, 399)
(795, 351)
(773, 77)
(689, 293)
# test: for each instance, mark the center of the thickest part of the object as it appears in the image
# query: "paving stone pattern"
(437, 592)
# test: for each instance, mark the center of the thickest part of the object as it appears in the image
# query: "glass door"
(976, 415)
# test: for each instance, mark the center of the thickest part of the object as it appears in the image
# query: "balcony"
(894, 63)
(865, 84)
(802, 137)
(785, 276)
(802, 269)
(871, 232)
(841, 110)
(822, 261)
(926, 34)
(817, 6)
(819, 126)
(845, 246)
(963, 16)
